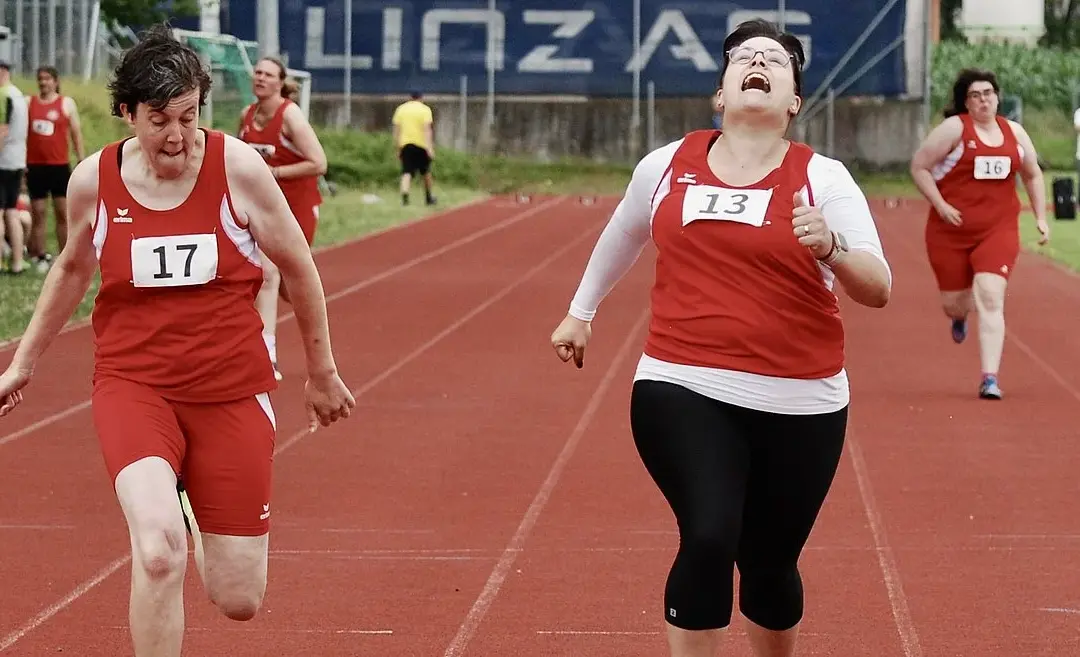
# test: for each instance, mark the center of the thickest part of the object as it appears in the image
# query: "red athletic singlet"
(176, 308)
(980, 182)
(734, 289)
(279, 151)
(47, 139)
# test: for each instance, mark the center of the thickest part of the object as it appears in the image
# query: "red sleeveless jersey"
(734, 289)
(176, 307)
(980, 182)
(47, 138)
(278, 151)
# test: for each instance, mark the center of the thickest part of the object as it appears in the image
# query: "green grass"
(1064, 245)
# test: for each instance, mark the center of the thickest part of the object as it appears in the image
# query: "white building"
(1016, 21)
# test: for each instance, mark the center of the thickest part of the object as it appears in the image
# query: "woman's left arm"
(848, 243)
(300, 132)
(1032, 176)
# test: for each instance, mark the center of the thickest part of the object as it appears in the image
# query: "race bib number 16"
(745, 206)
(173, 260)
(992, 167)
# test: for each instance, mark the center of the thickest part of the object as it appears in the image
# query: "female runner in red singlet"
(176, 219)
(276, 127)
(967, 169)
(739, 405)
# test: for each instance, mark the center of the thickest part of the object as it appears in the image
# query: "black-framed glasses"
(776, 57)
(985, 93)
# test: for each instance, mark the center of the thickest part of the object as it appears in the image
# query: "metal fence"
(56, 33)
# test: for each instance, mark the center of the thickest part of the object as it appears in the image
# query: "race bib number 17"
(173, 260)
(745, 206)
(992, 167)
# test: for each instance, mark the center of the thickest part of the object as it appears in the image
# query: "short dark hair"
(964, 80)
(156, 70)
(762, 28)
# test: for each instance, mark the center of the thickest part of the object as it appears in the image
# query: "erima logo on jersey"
(265, 513)
(687, 178)
(266, 150)
(121, 216)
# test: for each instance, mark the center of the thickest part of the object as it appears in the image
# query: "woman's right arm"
(622, 240)
(69, 278)
(937, 145)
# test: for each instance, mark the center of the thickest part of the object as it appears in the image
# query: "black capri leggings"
(745, 487)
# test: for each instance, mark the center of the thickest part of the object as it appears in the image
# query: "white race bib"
(174, 260)
(745, 206)
(992, 167)
(42, 127)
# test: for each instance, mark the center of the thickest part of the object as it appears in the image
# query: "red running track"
(486, 500)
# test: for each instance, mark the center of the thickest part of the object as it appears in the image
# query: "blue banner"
(564, 46)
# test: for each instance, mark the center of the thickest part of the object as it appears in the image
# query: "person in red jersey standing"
(54, 122)
(176, 218)
(967, 168)
(276, 127)
(740, 401)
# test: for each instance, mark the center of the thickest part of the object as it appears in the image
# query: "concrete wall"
(876, 134)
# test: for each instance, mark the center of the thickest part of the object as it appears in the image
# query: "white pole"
(781, 9)
(927, 57)
(348, 63)
(463, 114)
(636, 113)
(91, 40)
(69, 37)
(266, 28)
(490, 66)
(50, 41)
(650, 115)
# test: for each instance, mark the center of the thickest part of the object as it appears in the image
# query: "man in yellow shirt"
(414, 137)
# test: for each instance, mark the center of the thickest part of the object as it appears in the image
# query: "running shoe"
(989, 388)
(959, 330)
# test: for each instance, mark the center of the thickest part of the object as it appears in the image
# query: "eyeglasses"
(773, 56)
(985, 93)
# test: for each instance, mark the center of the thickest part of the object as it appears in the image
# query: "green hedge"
(1046, 78)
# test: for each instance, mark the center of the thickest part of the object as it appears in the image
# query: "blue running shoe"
(989, 388)
(959, 330)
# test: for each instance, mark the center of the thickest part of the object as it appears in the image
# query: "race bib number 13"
(992, 167)
(745, 206)
(173, 260)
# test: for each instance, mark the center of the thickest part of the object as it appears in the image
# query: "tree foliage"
(139, 13)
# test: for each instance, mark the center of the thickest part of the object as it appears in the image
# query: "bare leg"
(15, 236)
(146, 491)
(771, 643)
(957, 306)
(234, 573)
(35, 242)
(693, 643)
(61, 216)
(990, 302)
(406, 181)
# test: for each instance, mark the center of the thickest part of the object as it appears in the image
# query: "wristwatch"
(839, 248)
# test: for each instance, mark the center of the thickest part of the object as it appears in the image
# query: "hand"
(949, 214)
(810, 228)
(327, 400)
(1044, 230)
(11, 384)
(569, 339)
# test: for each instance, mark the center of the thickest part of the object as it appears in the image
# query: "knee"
(771, 596)
(989, 301)
(160, 552)
(238, 605)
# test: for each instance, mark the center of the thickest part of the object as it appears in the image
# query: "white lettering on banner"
(315, 47)
(541, 58)
(690, 47)
(392, 35)
(706, 202)
(791, 18)
(992, 167)
(431, 31)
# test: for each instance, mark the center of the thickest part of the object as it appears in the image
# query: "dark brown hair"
(964, 80)
(762, 28)
(155, 71)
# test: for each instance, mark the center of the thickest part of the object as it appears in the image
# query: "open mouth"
(756, 81)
